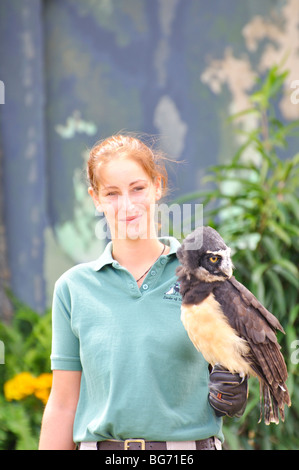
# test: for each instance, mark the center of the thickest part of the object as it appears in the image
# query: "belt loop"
(181, 445)
(88, 446)
(218, 444)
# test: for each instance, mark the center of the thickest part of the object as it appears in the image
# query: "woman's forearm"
(57, 429)
(59, 415)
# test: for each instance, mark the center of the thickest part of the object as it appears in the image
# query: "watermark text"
(137, 222)
(2, 353)
(295, 94)
(295, 353)
(2, 92)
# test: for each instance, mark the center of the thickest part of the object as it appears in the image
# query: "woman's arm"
(58, 419)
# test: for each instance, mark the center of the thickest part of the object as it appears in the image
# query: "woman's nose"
(127, 202)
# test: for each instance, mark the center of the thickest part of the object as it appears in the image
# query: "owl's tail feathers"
(266, 408)
(272, 404)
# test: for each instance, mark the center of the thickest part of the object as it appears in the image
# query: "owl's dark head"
(204, 254)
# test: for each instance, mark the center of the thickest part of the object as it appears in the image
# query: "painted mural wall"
(76, 71)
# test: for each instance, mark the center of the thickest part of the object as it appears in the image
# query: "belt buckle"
(129, 441)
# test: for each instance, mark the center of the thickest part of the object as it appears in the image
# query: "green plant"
(254, 204)
(27, 343)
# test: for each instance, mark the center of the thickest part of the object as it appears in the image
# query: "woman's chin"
(135, 231)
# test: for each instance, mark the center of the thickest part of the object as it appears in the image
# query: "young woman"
(125, 374)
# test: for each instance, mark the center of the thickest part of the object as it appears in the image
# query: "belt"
(211, 443)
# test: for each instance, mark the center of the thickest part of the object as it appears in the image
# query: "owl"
(227, 323)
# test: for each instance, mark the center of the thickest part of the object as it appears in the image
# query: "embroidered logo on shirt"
(173, 293)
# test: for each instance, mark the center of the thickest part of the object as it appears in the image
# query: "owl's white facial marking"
(216, 267)
(226, 265)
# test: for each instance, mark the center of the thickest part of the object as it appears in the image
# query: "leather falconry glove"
(228, 392)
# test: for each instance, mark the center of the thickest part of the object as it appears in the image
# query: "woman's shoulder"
(76, 272)
(172, 242)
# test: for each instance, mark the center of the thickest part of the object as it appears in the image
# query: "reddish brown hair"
(126, 146)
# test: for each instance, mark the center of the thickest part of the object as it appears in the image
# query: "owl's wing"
(258, 326)
(250, 300)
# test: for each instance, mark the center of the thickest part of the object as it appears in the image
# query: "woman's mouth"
(131, 218)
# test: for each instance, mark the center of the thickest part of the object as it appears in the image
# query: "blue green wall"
(76, 71)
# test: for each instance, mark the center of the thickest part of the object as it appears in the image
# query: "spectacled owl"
(227, 323)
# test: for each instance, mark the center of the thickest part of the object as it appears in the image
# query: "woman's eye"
(214, 259)
(139, 188)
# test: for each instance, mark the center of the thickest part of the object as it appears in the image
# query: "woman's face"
(127, 196)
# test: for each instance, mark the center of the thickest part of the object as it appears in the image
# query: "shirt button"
(153, 273)
(131, 285)
(163, 261)
(145, 286)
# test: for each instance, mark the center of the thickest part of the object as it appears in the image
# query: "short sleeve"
(65, 353)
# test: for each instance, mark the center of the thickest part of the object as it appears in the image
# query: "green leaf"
(277, 290)
(288, 265)
(258, 273)
(279, 232)
(293, 314)
(292, 203)
(287, 274)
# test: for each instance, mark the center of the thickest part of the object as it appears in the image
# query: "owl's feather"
(211, 333)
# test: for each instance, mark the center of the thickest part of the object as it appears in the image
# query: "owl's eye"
(214, 259)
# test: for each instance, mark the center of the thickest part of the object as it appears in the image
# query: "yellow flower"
(19, 387)
(24, 385)
(42, 395)
(43, 386)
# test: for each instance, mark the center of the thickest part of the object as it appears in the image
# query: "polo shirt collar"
(106, 257)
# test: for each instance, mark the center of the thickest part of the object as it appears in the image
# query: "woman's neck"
(137, 255)
(139, 251)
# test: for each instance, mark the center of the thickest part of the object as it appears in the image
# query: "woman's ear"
(95, 197)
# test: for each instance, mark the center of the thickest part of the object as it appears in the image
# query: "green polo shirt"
(141, 375)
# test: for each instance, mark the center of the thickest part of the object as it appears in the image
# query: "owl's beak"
(228, 271)
(227, 266)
